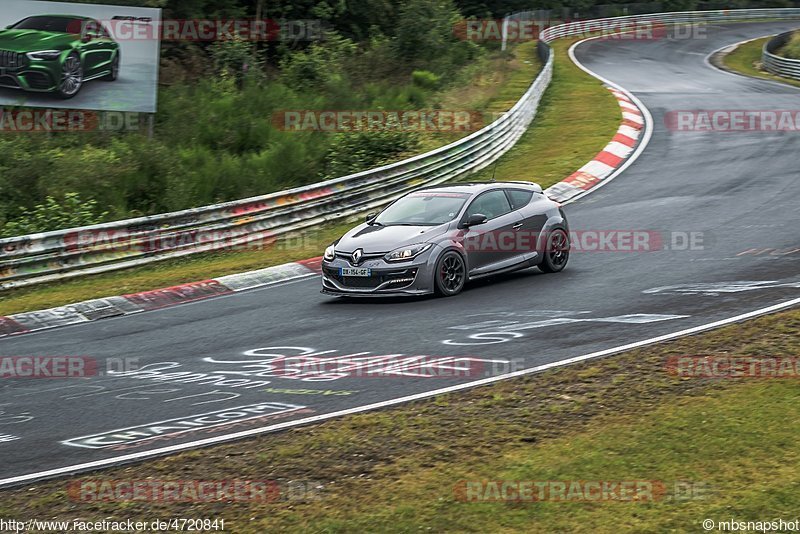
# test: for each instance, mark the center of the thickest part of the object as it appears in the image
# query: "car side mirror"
(475, 220)
(85, 38)
(370, 217)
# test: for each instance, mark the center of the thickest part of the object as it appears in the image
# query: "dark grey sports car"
(436, 239)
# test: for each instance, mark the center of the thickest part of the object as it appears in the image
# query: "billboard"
(79, 56)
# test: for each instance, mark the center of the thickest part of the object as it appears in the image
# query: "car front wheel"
(451, 274)
(71, 76)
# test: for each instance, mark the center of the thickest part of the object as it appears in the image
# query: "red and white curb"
(92, 310)
(606, 162)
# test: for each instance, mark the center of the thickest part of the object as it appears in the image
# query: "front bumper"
(413, 277)
(35, 76)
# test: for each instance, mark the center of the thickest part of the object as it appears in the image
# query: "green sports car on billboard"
(56, 54)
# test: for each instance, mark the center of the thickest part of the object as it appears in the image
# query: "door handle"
(517, 226)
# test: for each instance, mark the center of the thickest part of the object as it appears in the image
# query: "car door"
(532, 210)
(96, 49)
(492, 246)
(105, 49)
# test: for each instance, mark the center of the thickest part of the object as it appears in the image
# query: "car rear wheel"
(451, 274)
(556, 253)
(71, 76)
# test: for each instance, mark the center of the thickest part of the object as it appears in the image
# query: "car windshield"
(50, 24)
(423, 208)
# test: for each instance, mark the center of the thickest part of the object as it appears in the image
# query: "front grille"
(11, 60)
(358, 282)
(404, 277)
(367, 256)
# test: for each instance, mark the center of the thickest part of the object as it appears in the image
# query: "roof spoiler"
(536, 187)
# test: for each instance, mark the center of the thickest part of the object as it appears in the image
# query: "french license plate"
(354, 271)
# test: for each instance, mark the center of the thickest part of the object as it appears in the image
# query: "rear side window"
(492, 204)
(519, 197)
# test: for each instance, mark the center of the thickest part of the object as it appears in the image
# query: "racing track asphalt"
(739, 189)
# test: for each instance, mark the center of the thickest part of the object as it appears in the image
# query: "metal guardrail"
(73, 252)
(781, 66)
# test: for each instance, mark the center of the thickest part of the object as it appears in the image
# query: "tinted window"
(492, 204)
(50, 24)
(519, 197)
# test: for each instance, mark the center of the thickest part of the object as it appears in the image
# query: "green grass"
(619, 418)
(746, 59)
(526, 66)
(576, 119)
(791, 49)
(490, 86)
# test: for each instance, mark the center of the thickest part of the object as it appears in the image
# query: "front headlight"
(44, 54)
(407, 252)
(330, 253)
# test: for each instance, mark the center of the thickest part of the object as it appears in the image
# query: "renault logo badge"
(357, 256)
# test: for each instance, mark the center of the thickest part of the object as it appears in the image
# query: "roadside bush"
(791, 49)
(426, 79)
(69, 212)
(319, 65)
(234, 58)
(354, 152)
(425, 38)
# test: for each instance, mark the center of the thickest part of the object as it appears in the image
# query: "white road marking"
(714, 288)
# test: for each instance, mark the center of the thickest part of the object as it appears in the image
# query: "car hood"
(34, 40)
(375, 238)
